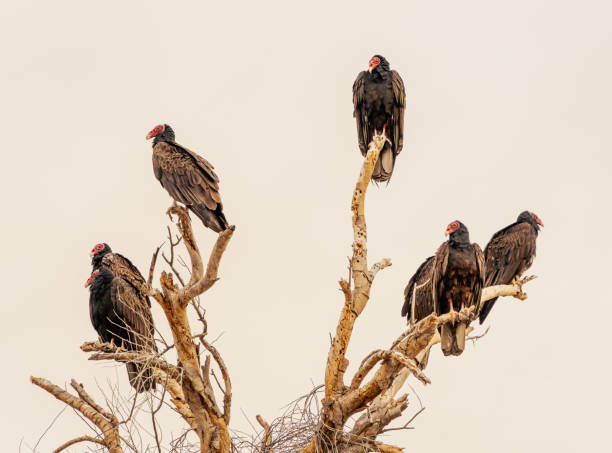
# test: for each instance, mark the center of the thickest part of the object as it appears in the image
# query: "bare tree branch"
(107, 425)
(77, 440)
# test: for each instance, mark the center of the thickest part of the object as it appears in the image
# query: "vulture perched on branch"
(379, 100)
(187, 177)
(450, 280)
(120, 310)
(509, 253)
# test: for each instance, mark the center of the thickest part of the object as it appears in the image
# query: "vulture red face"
(536, 218)
(97, 249)
(452, 227)
(156, 131)
(91, 278)
(375, 61)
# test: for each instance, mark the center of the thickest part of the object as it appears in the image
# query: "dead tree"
(373, 401)
(352, 414)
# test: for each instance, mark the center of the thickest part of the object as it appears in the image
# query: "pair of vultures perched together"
(450, 280)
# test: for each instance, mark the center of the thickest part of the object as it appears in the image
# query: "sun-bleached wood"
(107, 423)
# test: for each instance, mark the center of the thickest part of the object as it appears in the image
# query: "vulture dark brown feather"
(450, 280)
(379, 101)
(120, 309)
(509, 253)
(188, 178)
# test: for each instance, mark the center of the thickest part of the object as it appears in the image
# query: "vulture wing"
(418, 291)
(508, 254)
(191, 180)
(439, 271)
(360, 112)
(479, 282)
(399, 105)
(134, 312)
(122, 267)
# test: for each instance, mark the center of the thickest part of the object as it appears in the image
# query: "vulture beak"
(91, 254)
(87, 283)
(540, 223)
(150, 135)
(447, 233)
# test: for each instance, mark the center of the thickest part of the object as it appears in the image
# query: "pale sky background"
(509, 107)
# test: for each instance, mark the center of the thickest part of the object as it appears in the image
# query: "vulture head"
(378, 64)
(91, 278)
(98, 252)
(530, 218)
(161, 133)
(458, 233)
(99, 280)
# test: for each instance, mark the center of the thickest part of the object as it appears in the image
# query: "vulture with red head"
(120, 309)
(509, 253)
(450, 280)
(379, 101)
(122, 317)
(187, 177)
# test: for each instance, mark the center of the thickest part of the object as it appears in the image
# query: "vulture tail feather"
(446, 338)
(384, 165)
(459, 343)
(215, 220)
(140, 376)
(486, 309)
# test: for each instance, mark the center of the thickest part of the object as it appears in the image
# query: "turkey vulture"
(187, 177)
(509, 253)
(450, 280)
(379, 100)
(121, 316)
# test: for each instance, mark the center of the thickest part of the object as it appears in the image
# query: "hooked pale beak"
(150, 135)
(447, 233)
(539, 222)
(91, 254)
(87, 283)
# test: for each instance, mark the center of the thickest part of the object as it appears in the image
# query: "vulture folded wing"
(133, 310)
(188, 178)
(479, 282)
(122, 267)
(418, 291)
(359, 112)
(399, 105)
(439, 271)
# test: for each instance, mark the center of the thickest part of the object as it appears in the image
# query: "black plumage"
(120, 310)
(188, 178)
(450, 280)
(379, 101)
(509, 253)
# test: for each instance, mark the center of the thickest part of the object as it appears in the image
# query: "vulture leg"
(450, 307)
